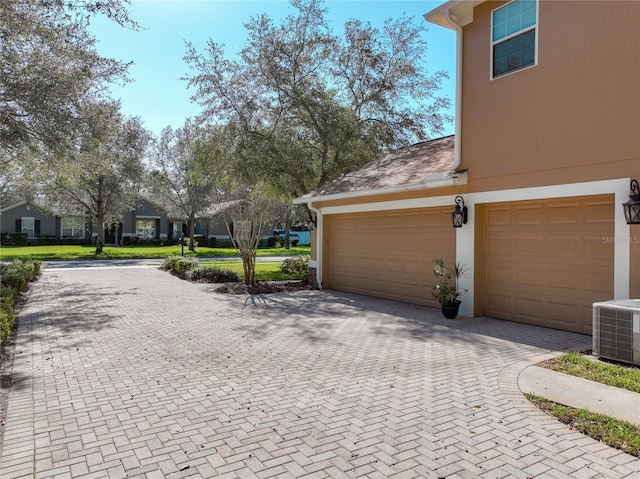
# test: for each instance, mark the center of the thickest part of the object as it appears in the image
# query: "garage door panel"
(499, 216)
(566, 214)
(562, 312)
(526, 277)
(528, 216)
(387, 254)
(598, 248)
(548, 274)
(565, 247)
(500, 245)
(528, 307)
(497, 304)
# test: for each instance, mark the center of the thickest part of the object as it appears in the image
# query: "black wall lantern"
(632, 207)
(459, 214)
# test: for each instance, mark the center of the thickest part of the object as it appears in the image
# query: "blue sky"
(160, 98)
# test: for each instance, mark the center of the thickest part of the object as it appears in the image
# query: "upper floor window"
(513, 36)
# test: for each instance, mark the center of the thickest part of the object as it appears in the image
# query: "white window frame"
(77, 229)
(493, 43)
(31, 232)
(177, 229)
(138, 229)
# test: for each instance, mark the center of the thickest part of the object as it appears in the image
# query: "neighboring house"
(547, 141)
(211, 224)
(38, 224)
(144, 222)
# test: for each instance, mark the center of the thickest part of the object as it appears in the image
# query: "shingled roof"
(409, 167)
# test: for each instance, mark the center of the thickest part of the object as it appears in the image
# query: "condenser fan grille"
(615, 335)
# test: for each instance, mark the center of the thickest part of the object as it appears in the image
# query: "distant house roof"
(418, 166)
(213, 210)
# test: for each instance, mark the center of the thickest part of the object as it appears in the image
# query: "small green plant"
(179, 265)
(189, 268)
(297, 267)
(447, 288)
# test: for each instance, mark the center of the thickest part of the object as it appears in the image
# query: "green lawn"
(617, 375)
(130, 252)
(616, 433)
(265, 270)
(613, 432)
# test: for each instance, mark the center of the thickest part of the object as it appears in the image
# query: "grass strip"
(576, 364)
(73, 252)
(616, 433)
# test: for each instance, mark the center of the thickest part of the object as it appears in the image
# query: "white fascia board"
(496, 196)
(460, 179)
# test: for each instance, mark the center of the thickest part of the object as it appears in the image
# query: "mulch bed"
(263, 287)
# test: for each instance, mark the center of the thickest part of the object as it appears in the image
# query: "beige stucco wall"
(575, 116)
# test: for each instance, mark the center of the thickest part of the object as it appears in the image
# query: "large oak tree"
(308, 105)
(187, 167)
(102, 175)
(49, 65)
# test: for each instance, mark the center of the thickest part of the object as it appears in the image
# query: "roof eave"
(429, 183)
(461, 11)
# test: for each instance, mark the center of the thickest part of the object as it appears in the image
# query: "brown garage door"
(387, 254)
(546, 262)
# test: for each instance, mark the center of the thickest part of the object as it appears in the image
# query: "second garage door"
(546, 262)
(387, 254)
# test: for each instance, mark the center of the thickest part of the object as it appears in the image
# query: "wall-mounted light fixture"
(459, 214)
(632, 207)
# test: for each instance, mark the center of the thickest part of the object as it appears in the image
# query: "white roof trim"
(8, 208)
(430, 181)
(461, 11)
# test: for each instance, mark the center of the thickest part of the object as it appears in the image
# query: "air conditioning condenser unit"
(616, 330)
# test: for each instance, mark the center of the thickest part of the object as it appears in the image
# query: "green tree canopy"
(103, 174)
(187, 166)
(49, 65)
(309, 106)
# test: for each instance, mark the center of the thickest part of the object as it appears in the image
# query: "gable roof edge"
(429, 182)
(9, 208)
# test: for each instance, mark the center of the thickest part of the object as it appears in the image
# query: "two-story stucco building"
(547, 141)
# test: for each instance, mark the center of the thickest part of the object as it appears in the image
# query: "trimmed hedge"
(213, 274)
(297, 267)
(188, 268)
(14, 279)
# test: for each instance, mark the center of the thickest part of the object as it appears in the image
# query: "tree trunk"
(287, 228)
(192, 229)
(249, 267)
(100, 234)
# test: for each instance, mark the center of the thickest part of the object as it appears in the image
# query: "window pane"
(513, 17)
(28, 226)
(500, 15)
(499, 31)
(499, 66)
(528, 19)
(146, 228)
(513, 54)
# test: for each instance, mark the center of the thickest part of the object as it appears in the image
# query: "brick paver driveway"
(130, 372)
